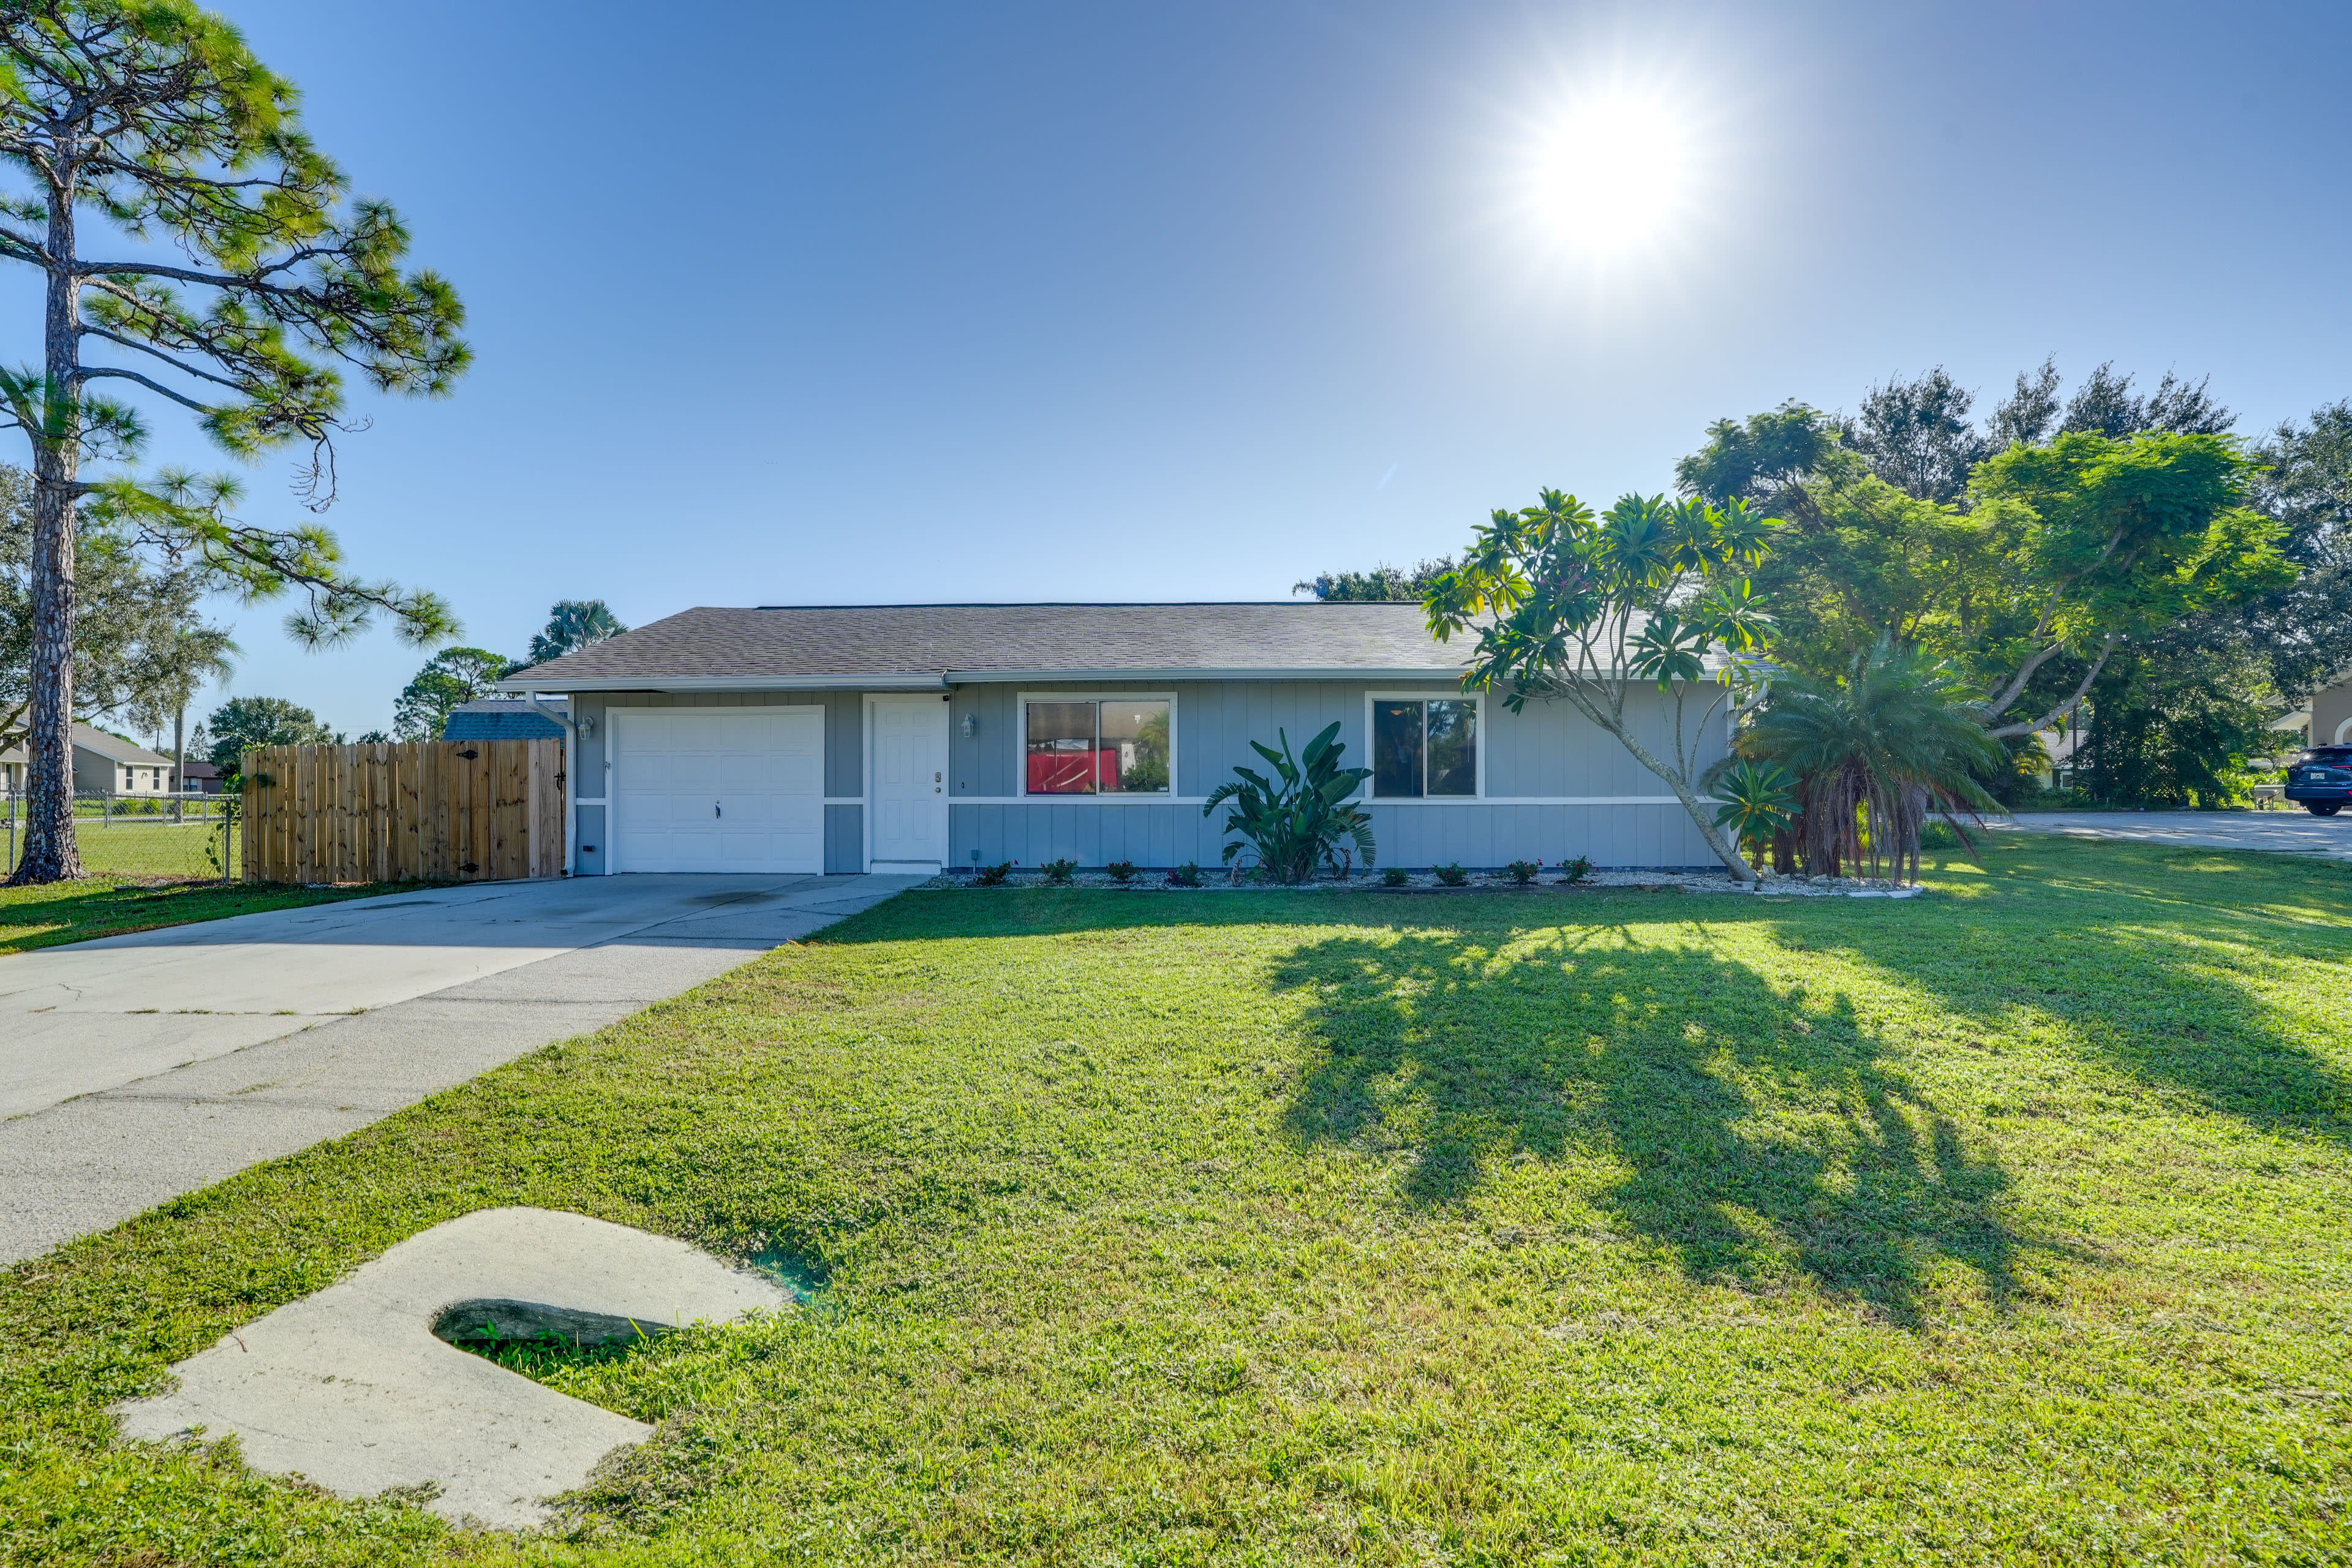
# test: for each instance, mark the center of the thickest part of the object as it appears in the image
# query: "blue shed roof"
(490, 718)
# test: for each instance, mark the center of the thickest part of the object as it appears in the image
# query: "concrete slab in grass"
(351, 1389)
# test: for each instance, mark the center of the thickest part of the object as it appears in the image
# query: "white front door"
(718, 789)
(906, 784)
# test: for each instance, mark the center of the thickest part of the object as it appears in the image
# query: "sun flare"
(1614, 173)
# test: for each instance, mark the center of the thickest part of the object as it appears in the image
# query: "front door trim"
(871, 809)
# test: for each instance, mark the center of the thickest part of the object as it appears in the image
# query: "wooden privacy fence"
(454, 811)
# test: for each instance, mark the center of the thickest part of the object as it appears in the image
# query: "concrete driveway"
(2296, 832)
(137, 1068)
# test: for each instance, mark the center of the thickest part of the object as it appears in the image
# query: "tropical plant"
(1758, 802)
(1122, 871)
(1895, 738)
(994, 876)
(1188, 875)
(1452, 874)
(245, 282)
(572, 625)
(1575, 869)
(1059, 872)
(1522, 872)
(1572, 605)
(1300, 823)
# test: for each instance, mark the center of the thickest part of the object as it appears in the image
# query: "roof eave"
(928, 682)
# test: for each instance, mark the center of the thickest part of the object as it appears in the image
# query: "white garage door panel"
(719, 789)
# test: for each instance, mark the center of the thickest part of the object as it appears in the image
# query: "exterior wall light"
(971, 725)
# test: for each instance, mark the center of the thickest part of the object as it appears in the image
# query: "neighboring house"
(102, 764)
(200, 778)
(849, 738)
(503, 719)
(2327, 714)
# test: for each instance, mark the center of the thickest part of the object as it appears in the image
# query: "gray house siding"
(2331, 714)
(1549, 753)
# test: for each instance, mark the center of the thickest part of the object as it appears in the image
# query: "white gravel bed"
(1547, 880)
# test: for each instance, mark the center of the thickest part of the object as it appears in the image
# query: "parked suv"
(2322, 779)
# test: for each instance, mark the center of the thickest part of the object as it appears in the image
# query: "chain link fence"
(163, 835)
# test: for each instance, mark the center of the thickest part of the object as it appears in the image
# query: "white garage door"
(719, 789)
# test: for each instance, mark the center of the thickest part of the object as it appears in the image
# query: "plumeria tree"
(1570, 605)
(238, 284)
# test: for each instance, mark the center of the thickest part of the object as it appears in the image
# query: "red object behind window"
(1071, 773)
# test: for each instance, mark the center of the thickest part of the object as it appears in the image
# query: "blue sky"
(821, 303)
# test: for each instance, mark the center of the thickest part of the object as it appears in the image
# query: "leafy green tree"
(2174, 719)
(248, 281)
(572, 625)
(453, 676)
(1566, 605)
(2110, 541)
(2059, 550)
(2303, 630)
(243, 722)
(1384, 584)
(1298, 824)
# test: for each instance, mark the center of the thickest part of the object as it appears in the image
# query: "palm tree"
(572, 625)
(1895, 737)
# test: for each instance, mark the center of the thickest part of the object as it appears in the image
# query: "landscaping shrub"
(1300, 824)
(1122, 871)
(1058, 872)
(1522, 872)
(1452, 876)
(1188, 875)
(1395, 876)
(995, 876)
(1575, 869)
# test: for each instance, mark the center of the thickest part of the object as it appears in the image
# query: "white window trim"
(1021, 700)
(610, 799)
(1370, 796)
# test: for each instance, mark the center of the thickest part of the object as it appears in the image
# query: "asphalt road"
(2296, 832)
(137, 1068)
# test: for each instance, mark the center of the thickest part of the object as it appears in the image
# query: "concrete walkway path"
(137, 1068)
(2296, 832)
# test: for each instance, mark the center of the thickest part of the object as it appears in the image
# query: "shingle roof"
(497, 719)
(115, 749)
(811, 642)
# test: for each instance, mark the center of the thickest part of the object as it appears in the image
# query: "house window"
(1424, 747)
(1113, 745)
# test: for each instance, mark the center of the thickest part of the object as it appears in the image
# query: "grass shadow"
(1758, 1131)
(2158, 963)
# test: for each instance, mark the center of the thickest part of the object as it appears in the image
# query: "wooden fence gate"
(440, 811)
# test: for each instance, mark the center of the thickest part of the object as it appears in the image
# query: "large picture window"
(1424, 747)
(1114, 745)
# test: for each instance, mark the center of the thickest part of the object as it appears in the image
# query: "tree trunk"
(51, 854)
(1723, 849)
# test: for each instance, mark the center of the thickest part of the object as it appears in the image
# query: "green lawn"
(2006, 1225)
(111, 905)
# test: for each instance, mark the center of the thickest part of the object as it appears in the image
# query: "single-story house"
(503, 719)
(102, 764)
(200, 778)
(849, 738)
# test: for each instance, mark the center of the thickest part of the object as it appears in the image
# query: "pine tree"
(248, 281)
